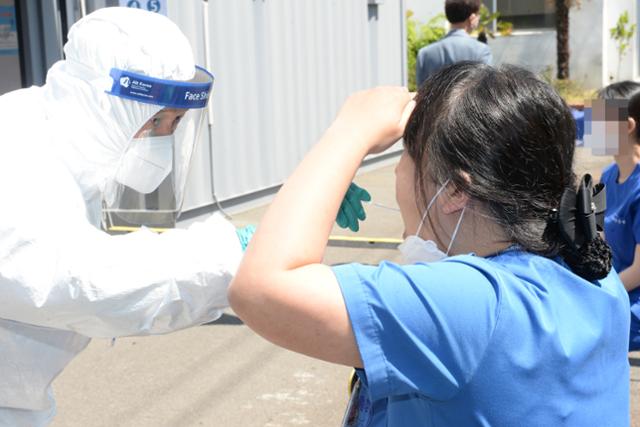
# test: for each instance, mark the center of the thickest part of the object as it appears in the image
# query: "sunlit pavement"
(222, 374)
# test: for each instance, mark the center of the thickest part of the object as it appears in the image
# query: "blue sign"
(8, 31)
(154, 5)
(157, 6)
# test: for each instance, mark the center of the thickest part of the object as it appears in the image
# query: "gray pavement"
(221, 374)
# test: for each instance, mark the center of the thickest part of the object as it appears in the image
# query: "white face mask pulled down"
(147, 163)
(415, 249)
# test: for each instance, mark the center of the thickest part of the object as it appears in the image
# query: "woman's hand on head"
(281, 289)
(375, 117)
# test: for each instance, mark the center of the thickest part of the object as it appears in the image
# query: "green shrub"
(485, 24)
(622, 34)
(573, 92)
(418, 36)
(505, 28)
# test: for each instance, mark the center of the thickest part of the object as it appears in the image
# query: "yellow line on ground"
(131, 229)
(364, 239)
(124, 228)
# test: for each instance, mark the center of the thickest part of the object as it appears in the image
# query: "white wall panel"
(424, 10)
(282, 68)
(190, 17)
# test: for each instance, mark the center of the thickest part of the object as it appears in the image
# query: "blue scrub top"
(622, 217)
(512, 340)
(622, 231)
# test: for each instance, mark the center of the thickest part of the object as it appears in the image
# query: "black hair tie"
(580, 215)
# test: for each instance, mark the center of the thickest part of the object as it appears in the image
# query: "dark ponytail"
(506, 139)
(592, 261)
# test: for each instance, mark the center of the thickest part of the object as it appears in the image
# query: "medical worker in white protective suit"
(113, 126)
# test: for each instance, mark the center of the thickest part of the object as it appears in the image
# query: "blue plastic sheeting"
(578, 116)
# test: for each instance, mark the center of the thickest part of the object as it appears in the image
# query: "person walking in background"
(457, 45)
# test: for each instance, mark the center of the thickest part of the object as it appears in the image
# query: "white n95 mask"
(147, 163)
(415, 249)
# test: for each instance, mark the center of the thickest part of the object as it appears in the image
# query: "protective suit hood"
(89, 128)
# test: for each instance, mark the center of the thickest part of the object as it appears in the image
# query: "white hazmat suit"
(62, 279)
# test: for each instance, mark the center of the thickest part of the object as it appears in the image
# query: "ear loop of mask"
(455, 231)
(424, 216)
(381, 206)
(426, 212)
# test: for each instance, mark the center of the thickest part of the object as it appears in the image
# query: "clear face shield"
(149, 183)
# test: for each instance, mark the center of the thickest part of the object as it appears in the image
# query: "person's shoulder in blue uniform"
(439, 332)
(609, 173)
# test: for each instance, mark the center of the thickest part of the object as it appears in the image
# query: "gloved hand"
(351, 209)
(245, 234)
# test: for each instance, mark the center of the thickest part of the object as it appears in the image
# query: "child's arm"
(631, 275)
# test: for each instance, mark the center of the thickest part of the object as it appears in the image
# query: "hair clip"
(581, 213)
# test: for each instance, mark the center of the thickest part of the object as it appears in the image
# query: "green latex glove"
(245, 234)
(351, 209)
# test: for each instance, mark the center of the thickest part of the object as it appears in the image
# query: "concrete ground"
(222, 374)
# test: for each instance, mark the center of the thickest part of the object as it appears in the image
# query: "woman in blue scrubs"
(504, 313)
(621, 138)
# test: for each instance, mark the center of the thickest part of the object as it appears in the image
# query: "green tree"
(418, 36)
(622, 34)
(562, 35)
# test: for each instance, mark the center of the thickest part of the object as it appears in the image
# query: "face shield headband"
(167, 93)
(149, 183)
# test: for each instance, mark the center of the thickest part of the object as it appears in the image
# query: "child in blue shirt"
(505, 311)
(614, 121)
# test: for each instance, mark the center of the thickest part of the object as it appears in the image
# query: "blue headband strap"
(168, 93)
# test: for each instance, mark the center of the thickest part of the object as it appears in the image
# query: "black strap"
(580, 215)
